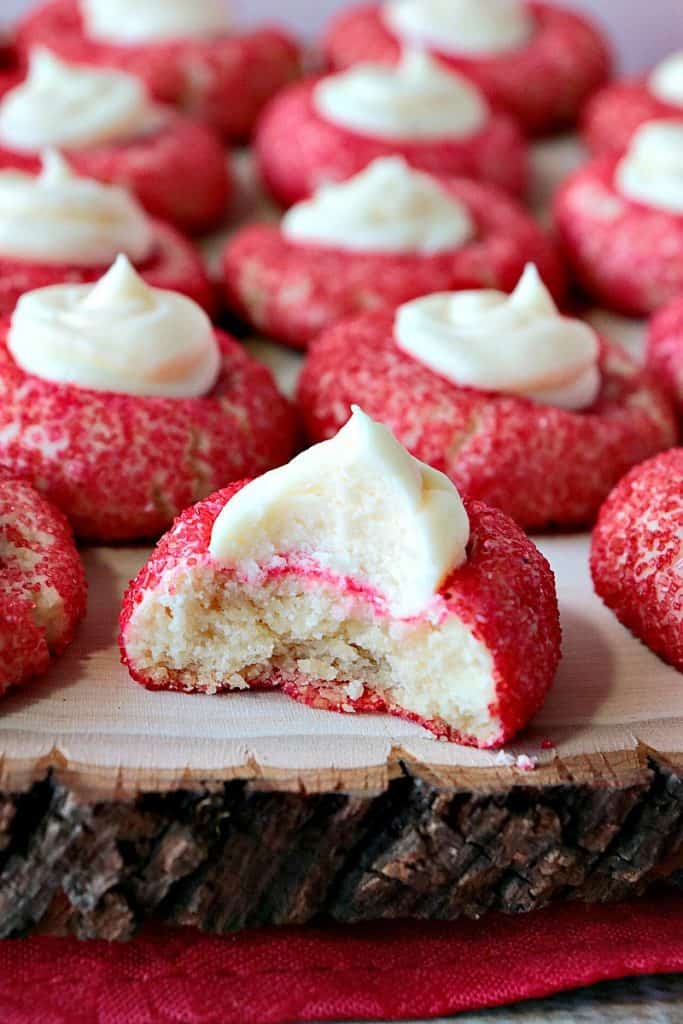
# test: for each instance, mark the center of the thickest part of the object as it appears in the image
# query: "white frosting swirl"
(461, 27)
(70, 106)
(416, 99)
(119, 335)
(651, 172)
(517, 344)
(666, 81)
(56, 217)
(388, 207)
(359, 506)
(130, 22)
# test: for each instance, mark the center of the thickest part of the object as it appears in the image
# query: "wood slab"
(120, 804)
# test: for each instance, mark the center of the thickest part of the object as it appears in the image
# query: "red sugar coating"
(628, 256)
(613, 115)
(174, 264)
(543, 84)
(637, 554)
(223, 81)
(298, 150)
(39, 565)
(179, 173)
(504, 593)
(664, 353)
(542, 465)
(292, 291)
(122, 466)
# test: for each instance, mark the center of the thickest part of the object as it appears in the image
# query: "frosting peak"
(119, 335)
(56, 217)
(461, 27)
(651, 172)
(388, 207)
(518, 344)
(146, 21)
(666, 81)
(71, 106)
(358, 506)
(418, 98)
(123, 290)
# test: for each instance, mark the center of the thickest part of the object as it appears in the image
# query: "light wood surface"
(104, 733)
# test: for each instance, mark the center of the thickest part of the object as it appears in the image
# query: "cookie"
(326, 151)
(544, 466)
(42, 585)
(542, 82)
(223, 80)
(465, 645)
(293, 289)
(636, 554)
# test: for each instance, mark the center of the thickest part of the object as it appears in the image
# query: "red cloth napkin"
(386, 971)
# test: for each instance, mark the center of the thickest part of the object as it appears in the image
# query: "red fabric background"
(385, 971)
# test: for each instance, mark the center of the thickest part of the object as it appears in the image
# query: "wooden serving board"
(118, 805)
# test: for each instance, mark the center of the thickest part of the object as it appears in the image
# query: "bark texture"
(241, 856)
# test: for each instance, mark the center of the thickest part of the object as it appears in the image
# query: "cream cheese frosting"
(57, 217)
(358, 506)
(666, 81)
(119, 335)
(651, 172)
(516, 344)
(70, 106)
(461, 27)
(416, 99)
(149, 21)
(388, 207)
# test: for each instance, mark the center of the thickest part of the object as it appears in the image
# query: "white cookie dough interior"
(209, 631)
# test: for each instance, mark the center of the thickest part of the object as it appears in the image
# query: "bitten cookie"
(123, 405)
(42, 583)
(615, 113)
(522, 408)
(636, 556)
(536, 61)
(186, 52)
(620, 222)
(437, 121)
(387, 235)
(56, 227)
(356, 580)
(108, 129)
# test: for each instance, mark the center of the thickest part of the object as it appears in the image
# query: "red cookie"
(122, 466)
(224, 81)
(42, 584)
(636, 558)
(179, 173)
(614, 114)
(324, 151)
(174, 264)
(665, 349)
(542, 84)
(628, 256)
(504, 595)
(291, 291)
(542, 465)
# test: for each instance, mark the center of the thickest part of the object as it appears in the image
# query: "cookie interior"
(202, 629)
